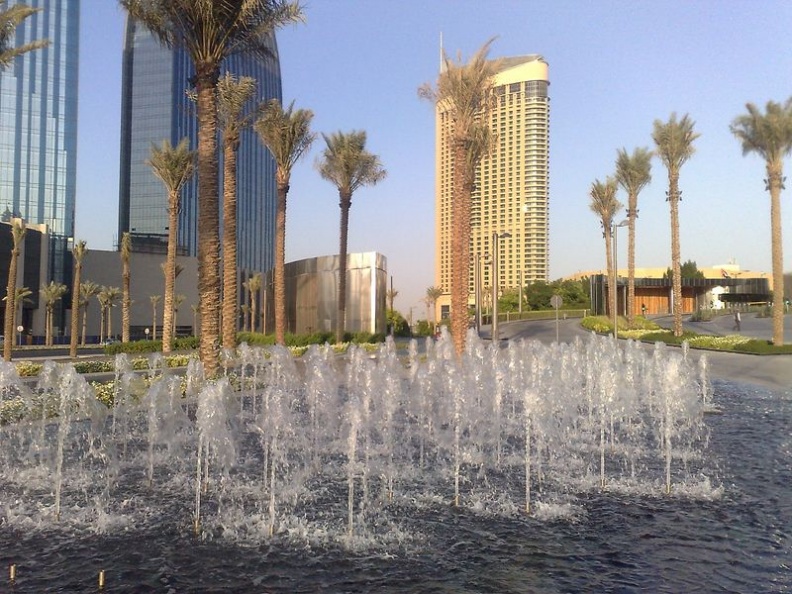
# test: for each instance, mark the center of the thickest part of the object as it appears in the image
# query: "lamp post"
(614, 289)
(495, 255)
(520, 287)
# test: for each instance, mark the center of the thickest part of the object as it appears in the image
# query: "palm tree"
(126, 301)
(432, 295)
(464, 94)
(769, 135)
(155, 299)
(108, 296)
(674, 141)
(178, 299)
(103, 300)
(253, 286)
(209, 32)
(78, 252)
(88, 289)
(633, 174)
(174, 166)
(196, 309)
(347, 164)
(18, 230)
(605, 205)
(391, 295)
(51, 294)
(10, 19)
(287, 134)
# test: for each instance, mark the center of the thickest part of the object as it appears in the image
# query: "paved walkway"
(770, 371)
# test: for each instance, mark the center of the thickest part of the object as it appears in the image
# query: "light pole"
(495, 255)
(520, 286)
(614, 290)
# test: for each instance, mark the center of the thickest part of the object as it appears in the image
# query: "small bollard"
(12, 573)
(101, 579)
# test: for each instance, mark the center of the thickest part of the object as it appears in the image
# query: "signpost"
(556, 302)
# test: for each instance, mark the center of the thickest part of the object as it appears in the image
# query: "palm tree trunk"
(170, 273)
(48, 326)
(346, 203)
(676, 279)
(460, 249)
(230, 291)
(125, 303)
(280, 258)
(208, 228)
(609, 268)
(253, 312)
(84, 323)
(775, 183)
(631, 213)
(10, 312)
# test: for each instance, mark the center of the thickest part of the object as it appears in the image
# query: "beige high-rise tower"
(511, 199)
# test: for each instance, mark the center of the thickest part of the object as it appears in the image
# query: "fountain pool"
(534, 468)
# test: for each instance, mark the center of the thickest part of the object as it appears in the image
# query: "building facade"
(312, 295)
(511, 199)
(155, 107)
(38, 129)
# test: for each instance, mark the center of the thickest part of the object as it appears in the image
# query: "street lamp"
(614, 289)
(495, 255)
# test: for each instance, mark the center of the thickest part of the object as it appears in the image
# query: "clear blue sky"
(615, 67)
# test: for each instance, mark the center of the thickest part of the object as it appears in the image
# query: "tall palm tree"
(253, 286)
(347, 164)
(103, 300)
(432, 295)
(633, 174)
(287, 134)
(78, 253)
(10, 19)
(233, 95)
(88, 290)
(51, 293)
(769, 135)
(674, 142)
(174, 166)
(126, 301)
(18, 230)
(464, 94)
(155, 299)
(209, 32)
(605, 205)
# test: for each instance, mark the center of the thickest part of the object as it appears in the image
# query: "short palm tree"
(432, 295)
(233, 95)
(633, 174)
(88, 290)
(464, 94)
(347, 164)
(18, 230)
(391, 295)
(253, 286)
(287, 134)
(210, 32)
(109, 296)
(155, 299)
(674, 142)
(10, 18)
(78, 253)
(605, 205)
(174, 166)
(103, 300)
(769, 135)
(51, 294)
(126, 301)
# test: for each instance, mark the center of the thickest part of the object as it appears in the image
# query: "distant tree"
(88, 290)
(605, 205)
(390, 295)
(155, 299)
(769, 135)
(674, 142)
(51, 293)
(253, 286)
(633, 174)
(287, 134)
(688, 269)
(537, 295)
(347, 164)
(126, 301)
(432, 295)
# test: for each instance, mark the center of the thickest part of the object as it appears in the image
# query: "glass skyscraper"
(155, 107)
(38, 128)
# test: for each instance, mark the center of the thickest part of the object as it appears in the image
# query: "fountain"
(587, 466)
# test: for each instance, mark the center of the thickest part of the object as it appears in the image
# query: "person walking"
(737, 321)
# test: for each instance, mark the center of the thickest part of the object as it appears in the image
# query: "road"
(769, 371)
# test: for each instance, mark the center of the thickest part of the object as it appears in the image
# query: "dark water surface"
(731, 535)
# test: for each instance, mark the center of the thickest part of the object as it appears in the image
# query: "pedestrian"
(736, 321)
(643, 309)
